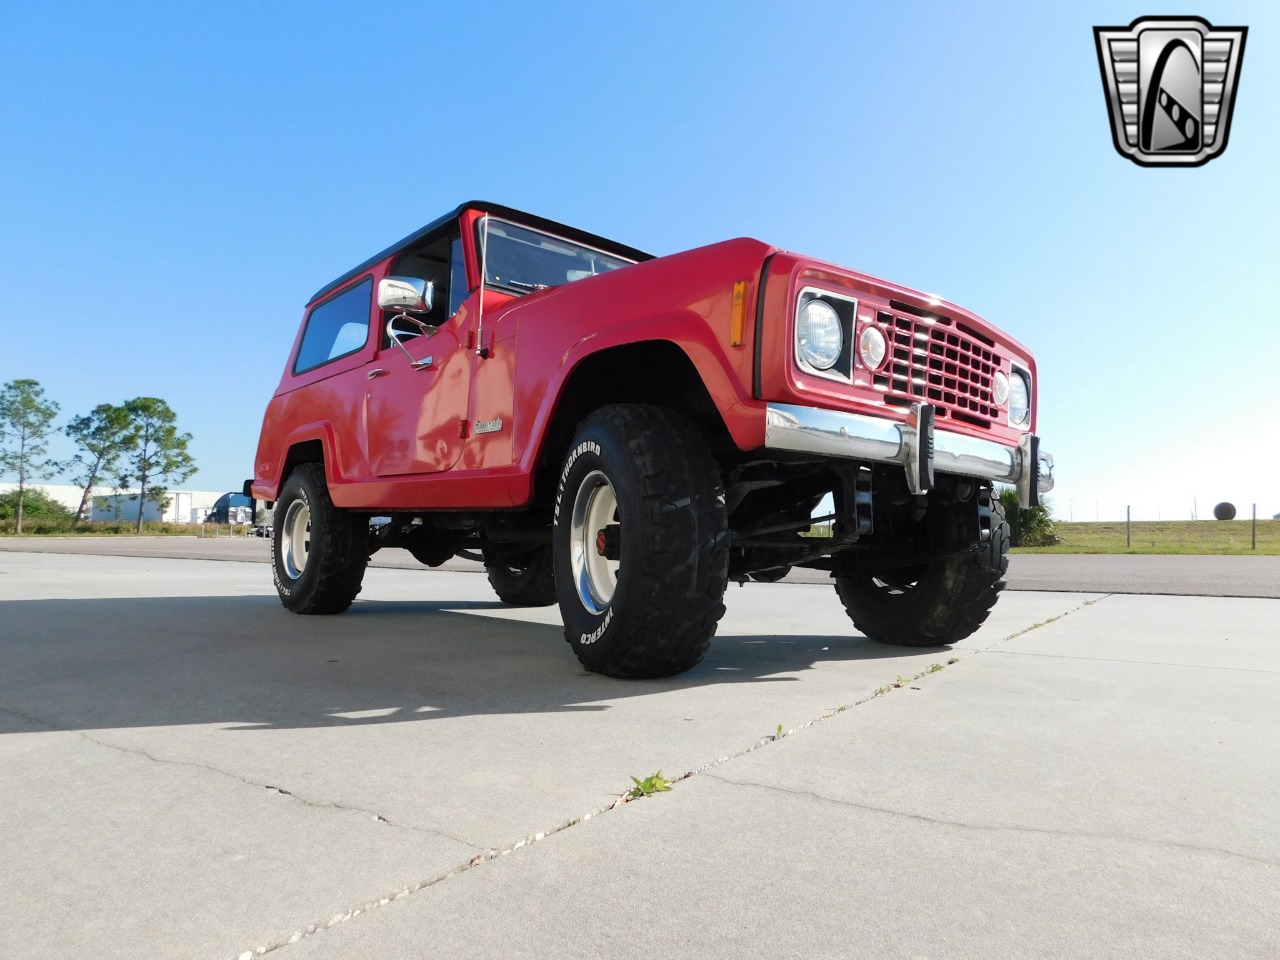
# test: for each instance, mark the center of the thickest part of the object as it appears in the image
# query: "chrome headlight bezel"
(835, 362)
(819, 337)
(1019, 397)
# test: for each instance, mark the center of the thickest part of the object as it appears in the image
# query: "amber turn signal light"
(738, 316)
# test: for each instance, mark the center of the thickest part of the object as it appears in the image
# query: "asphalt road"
(1209, 576)
(190, 771)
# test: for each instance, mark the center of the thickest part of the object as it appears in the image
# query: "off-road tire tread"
(534, 586)
(343, 557)
(952, 600)
(684, 560)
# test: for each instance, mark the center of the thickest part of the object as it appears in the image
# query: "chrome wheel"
(593, 535)
(295, 539)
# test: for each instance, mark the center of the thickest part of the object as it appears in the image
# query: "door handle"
(375, 373)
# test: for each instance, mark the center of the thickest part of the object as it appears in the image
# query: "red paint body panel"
(406, 439)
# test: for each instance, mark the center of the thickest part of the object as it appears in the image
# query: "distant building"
(185, 506)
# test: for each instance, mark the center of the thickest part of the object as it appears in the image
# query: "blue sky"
(176, 181)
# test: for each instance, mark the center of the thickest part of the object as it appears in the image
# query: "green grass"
(1166, 536)
(57, 527)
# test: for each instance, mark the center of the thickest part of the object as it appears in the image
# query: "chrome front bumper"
(915, 445)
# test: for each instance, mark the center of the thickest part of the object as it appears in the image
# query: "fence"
(1089, 511)
(215, 530)
(1171, 536)
(1133, 535)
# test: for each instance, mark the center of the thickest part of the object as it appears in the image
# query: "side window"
(457, 277)
(336, 328)
(439, 260)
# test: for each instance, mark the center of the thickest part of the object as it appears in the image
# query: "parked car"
(624, 434)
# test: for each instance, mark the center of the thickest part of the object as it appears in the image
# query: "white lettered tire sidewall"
(593, 635)
(295, 489)
(338, 546)
(671, 542)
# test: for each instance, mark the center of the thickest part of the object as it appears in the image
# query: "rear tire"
(641, 543)
(319, 551)
(938, 603)
(529, 584)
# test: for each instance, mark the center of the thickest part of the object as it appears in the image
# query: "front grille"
(941, 362)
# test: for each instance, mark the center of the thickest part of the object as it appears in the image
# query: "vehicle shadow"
(244, 663)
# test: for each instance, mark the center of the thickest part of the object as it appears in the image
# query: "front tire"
(319, 552)
(937, 603)
(641, 545)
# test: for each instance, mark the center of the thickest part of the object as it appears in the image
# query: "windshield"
(522, 259)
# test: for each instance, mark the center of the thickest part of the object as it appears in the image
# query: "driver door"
(417, 411)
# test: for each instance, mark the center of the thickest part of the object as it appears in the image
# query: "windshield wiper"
(527, 286)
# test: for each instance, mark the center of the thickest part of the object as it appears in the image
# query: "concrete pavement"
(191, 772)
(1203, 576)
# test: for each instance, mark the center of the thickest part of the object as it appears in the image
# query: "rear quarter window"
(336, 328)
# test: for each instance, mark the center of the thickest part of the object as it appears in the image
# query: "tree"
(103, 436)
(36, 504)
(26, 418)
(1032, 527)
(157, 454)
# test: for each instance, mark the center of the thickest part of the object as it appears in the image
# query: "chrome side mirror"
(405, 293)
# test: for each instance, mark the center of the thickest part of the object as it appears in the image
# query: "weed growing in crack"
(902, 681)
(654, 783)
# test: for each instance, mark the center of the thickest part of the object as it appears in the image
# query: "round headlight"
(1019, 400)
(819, 338)
(871, 347)
(1000, 389)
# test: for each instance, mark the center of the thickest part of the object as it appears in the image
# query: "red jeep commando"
(624, 434)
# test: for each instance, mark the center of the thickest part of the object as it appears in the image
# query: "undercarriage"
(838, 516)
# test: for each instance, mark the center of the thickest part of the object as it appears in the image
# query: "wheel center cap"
(608, 543)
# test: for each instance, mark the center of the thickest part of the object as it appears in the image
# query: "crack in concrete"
(998, 828)
(958, 656)
(482, 857)
(1044, 623)
(164, 761)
